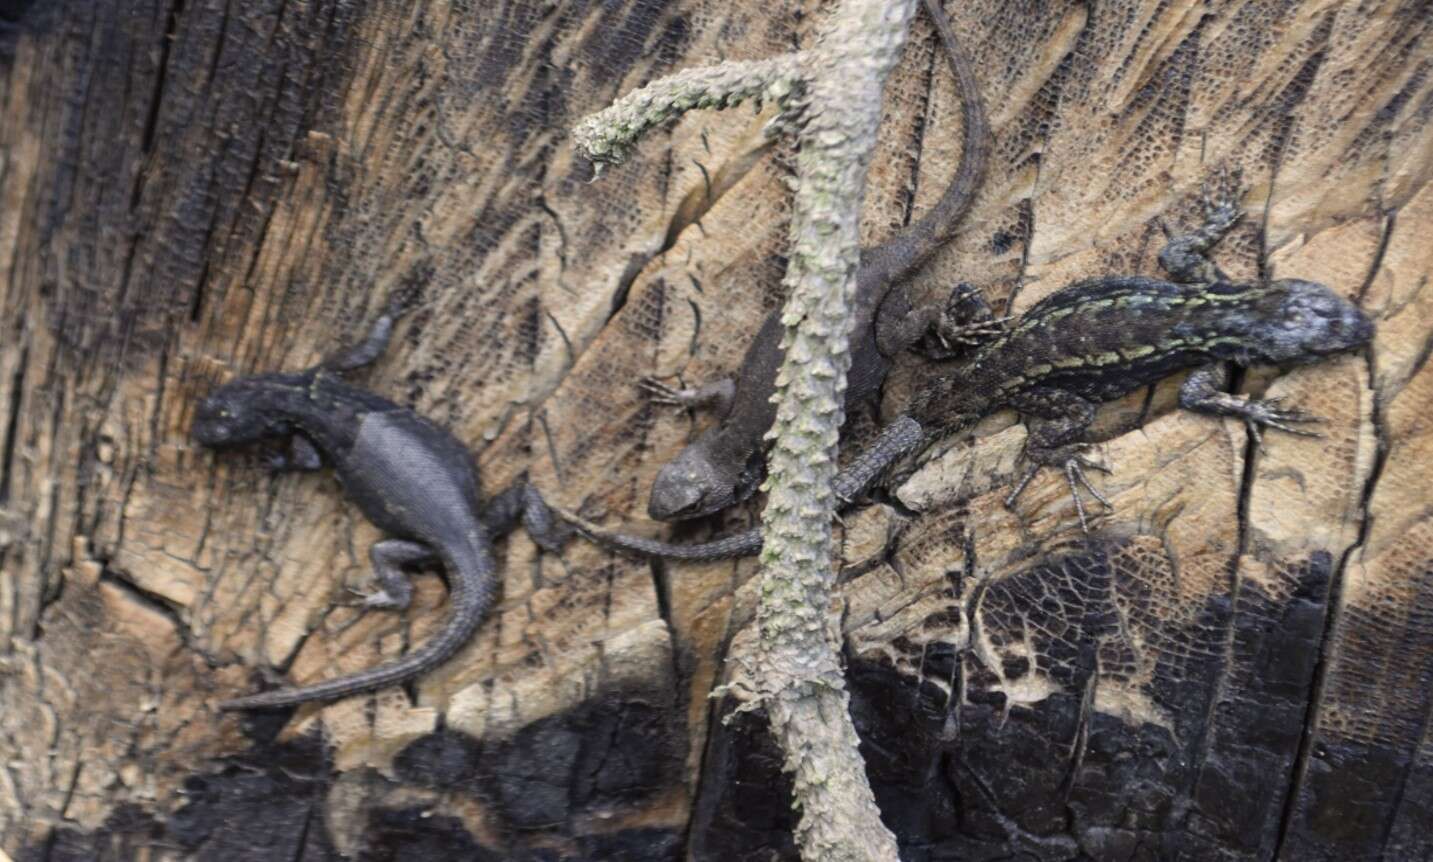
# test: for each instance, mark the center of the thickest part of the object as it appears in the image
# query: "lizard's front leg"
(1185, 257)
(389, 556)
(1203, 392)
(299, 456)
(715, 396)
(937, 332)
(1057, 440)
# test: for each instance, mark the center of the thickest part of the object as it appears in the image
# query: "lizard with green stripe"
(1092, 342)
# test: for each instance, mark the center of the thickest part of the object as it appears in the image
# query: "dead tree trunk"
(1238, 664)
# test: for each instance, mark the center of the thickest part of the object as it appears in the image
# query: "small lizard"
(408, 476)
(1099, 339)
(1094, 341)
(726, 463)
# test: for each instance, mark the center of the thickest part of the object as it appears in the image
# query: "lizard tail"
(945, 215)
(743, 544)
(898, 439)
(472, 573)
(909, 249)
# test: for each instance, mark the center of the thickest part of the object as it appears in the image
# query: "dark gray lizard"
(727, 462)
(1094, 341)
(408, 476)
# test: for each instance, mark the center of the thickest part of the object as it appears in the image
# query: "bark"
(1236, 666)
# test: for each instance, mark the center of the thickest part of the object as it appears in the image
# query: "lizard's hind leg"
(1071, 459)
(967, 321)
(938, 332)
(522, 502)
(1056, 440)
(389, 557)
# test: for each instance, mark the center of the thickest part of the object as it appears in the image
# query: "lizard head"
(695, 484)
(1309, 321)
(232, 415)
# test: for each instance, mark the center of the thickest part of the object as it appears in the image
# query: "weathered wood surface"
(1237, 665)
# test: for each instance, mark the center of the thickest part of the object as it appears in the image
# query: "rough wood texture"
(1238, 665)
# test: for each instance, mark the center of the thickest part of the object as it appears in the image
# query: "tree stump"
(1236, 664)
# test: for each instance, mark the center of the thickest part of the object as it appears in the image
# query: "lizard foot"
(660, 393)
(964, 322)
(1221, 208)
(1266, 413)
(1221, 201)
(1186, 256)
(952, 336)
(1072, 461)
(376, 600)
(715, 395)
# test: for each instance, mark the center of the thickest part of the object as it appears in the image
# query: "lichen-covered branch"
(800, 674)
(608, 135)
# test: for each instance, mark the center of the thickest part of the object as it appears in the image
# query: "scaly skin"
(408, 476)
(1098, 339)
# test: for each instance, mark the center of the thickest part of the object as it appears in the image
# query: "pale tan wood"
(302, 163)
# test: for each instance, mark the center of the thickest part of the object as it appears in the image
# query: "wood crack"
(12, 423)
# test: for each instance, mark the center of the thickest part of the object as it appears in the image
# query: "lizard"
(726, 463)
(1091, 342)
(408, 476)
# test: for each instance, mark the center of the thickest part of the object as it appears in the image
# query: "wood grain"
(1236, 666)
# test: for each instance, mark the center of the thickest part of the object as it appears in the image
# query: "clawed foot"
(660, 393)
(1260, 414)
(1072, 461)
(964, 322)
(1185, 256)
(376, 600)
(1221, 207)
(715, 395)
(952, 336)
